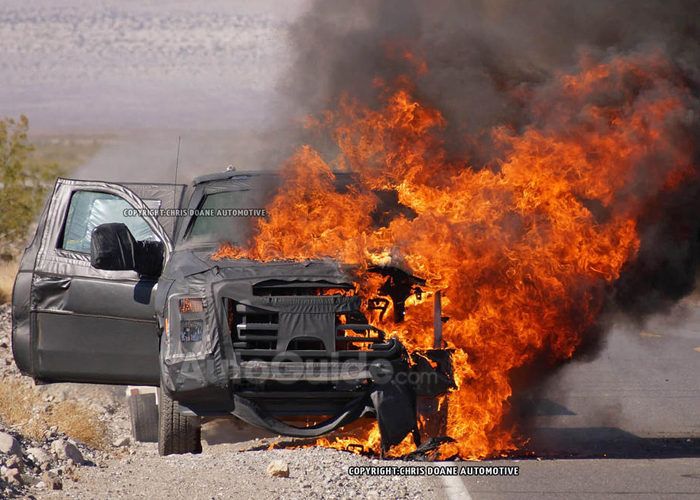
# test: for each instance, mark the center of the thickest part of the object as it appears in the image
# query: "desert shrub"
(22, 407)
(23, 184)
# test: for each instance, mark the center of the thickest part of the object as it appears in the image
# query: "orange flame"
(522, 249)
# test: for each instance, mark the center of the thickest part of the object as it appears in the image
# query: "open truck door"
(73, 322)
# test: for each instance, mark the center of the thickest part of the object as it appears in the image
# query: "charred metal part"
(416, 436)
(435, 380)
(389, 208)
(399, 285)
(378, 304)
(427, 451)
(395, 405)
(436, 366)
(437, 321)
(356, 448)
(432, 415)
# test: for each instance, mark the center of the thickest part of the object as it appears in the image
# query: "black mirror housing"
(113, 248)
(149, 257)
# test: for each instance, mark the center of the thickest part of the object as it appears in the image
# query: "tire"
(177, 434)
(144, 417)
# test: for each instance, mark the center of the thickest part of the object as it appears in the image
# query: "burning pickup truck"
(121, 285)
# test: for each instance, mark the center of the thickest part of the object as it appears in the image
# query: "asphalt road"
(625, 425)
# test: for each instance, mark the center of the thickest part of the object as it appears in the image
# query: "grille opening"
(252, 329)
(306, 344)
(353, 333)
(274, 288)
(255, 333)
(256, 344)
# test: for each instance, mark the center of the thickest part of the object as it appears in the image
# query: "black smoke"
(483, 56)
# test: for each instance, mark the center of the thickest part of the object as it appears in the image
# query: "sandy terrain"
(87, 66)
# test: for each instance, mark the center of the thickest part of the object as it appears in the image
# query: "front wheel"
(177, 433)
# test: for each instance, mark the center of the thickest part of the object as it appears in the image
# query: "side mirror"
(149, 257)
(113, 248)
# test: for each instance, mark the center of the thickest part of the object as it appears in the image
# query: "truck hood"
(186, 263)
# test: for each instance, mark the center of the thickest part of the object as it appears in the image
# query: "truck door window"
(89, 209)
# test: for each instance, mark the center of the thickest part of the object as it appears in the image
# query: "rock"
(278, 468)
(39, 456)
(15, 463)
(67, 451)
(40, 485)
(99, 408)
(119, 443)
(52, 481)
(13, 477)
(67, 471)
(9, 445)
(372, 495)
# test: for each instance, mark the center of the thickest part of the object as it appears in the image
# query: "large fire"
(523, 248)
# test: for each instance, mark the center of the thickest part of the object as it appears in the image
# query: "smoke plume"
(491, 63)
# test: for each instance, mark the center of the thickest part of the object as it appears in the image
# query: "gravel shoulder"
(222, 472)
(234, 462)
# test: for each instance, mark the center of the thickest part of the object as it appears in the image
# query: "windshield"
(228, 211)
(224, 216)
